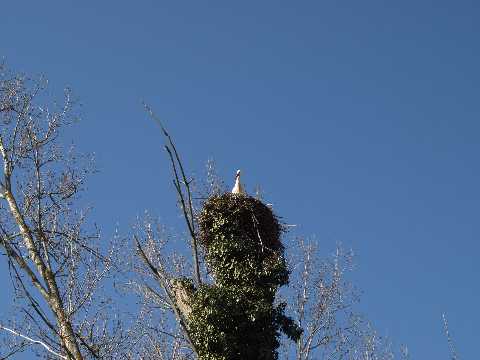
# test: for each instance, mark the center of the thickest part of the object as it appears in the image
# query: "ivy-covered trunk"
(236, 318)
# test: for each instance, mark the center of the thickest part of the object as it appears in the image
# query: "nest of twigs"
(241, 240)
(242, 217)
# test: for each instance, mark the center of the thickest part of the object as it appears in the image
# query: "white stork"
(238, 188)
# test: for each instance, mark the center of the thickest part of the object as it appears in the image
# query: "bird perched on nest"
(238, 188)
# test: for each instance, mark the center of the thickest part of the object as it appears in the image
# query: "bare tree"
(167, 292)
(161, 320)
(324, 303)
(55, 260)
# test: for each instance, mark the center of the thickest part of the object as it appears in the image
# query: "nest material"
(241, 239)
(240, 217)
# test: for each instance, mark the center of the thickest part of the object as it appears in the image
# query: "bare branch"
(163, 281)
(38, 342)
(451, 344)
(186, 203)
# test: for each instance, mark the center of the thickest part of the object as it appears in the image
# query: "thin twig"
(449, 338)
(48, 348)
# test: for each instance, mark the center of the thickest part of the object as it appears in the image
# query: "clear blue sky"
(359, 119)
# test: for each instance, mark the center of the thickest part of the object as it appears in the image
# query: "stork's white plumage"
(238, 188)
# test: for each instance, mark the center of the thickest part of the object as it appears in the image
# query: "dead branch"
(180, 183)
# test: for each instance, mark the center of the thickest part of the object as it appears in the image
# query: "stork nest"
(242, 217)
(241, 239)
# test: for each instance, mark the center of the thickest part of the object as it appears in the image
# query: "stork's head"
(238, 174)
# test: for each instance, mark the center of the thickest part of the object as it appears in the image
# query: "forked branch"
(162, 280)
(182, 187)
